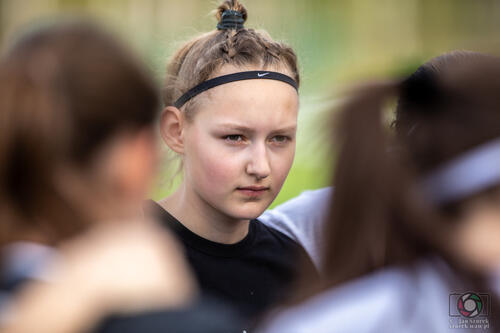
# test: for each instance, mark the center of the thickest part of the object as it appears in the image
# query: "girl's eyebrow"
(245, 129)
(287, 129)
(236, 127)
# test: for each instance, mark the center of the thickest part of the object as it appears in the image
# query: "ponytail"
(373, 197)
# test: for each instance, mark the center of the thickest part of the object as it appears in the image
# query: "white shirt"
(302, 219)
(391, 300)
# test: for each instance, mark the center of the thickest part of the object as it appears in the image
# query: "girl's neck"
(204, 220)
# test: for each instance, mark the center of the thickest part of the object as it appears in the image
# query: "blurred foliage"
(338, 42)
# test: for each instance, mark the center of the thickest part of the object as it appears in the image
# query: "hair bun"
(231, 15)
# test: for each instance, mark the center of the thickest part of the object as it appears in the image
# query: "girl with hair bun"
(231, 104)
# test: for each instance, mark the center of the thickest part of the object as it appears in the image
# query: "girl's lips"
(253, 191)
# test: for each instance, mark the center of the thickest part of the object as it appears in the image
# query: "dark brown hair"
(200, 58)
(65, 91)
(378, 217)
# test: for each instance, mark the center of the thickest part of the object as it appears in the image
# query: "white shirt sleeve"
(302, 219)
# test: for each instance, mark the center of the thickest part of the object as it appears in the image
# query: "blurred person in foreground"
(413, 235)
(77, 153)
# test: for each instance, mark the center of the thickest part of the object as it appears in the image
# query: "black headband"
(240, 76)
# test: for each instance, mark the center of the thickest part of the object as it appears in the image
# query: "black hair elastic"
(231, 19)
(240, 76)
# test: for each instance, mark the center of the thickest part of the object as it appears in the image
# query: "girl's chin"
(249, 212)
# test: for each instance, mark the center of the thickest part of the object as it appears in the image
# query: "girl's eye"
(233, 138)
(280, 139)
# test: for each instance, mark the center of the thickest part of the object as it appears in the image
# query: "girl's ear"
(172, 128)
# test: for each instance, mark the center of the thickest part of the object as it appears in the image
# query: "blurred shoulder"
(304, 213)
(392, 300)
(307, 201)
(302, 219)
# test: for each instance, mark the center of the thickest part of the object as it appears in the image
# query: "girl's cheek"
(220, 168)
(283, 163)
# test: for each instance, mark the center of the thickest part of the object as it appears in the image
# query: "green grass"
(302, 177)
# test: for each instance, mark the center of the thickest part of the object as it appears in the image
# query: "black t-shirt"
(204, 315)
(250, 275)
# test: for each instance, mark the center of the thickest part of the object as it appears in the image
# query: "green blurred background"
(338, 43)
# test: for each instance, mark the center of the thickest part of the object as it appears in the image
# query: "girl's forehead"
(251, 101)
(255, 124)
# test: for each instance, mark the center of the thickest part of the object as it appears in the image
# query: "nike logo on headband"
(261, 74)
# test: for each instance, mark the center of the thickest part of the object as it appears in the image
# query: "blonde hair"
(198, 59)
